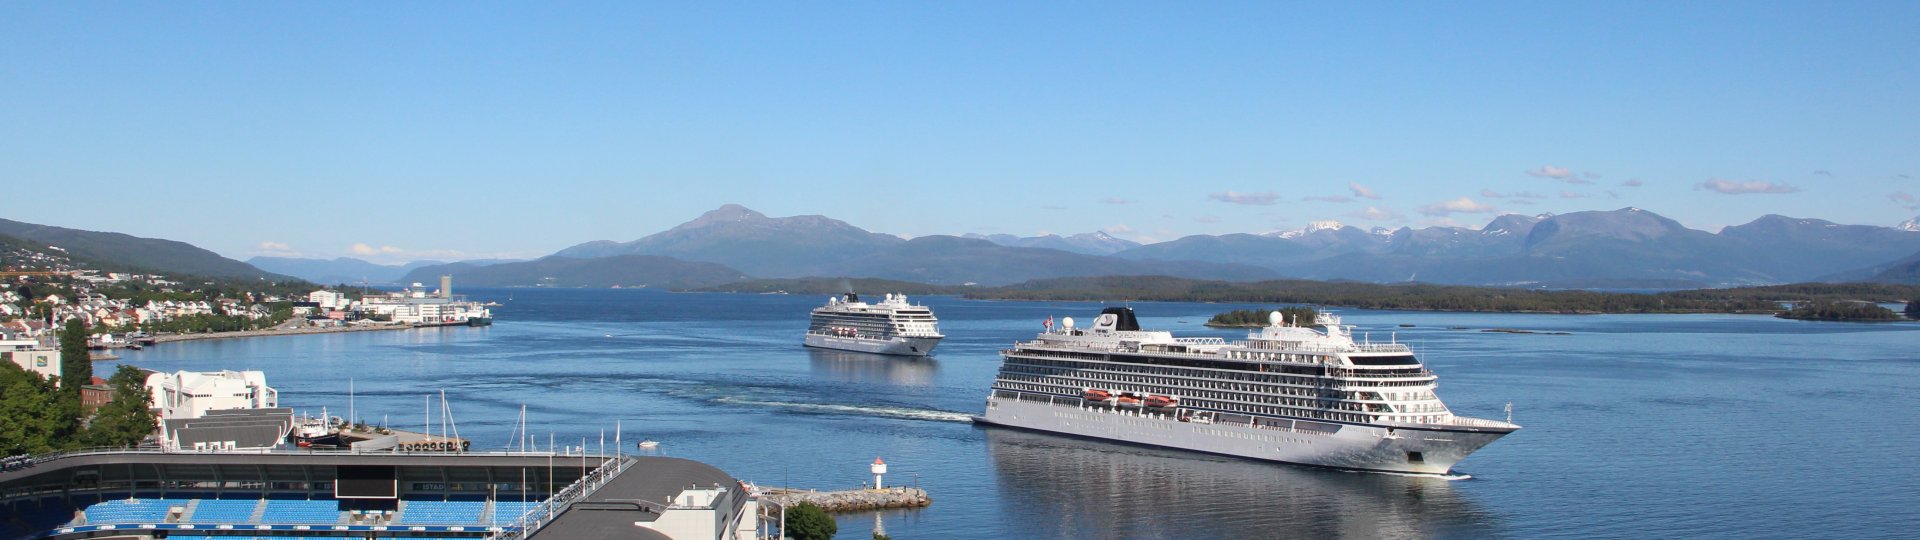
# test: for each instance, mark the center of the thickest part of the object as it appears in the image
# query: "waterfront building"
(188, 394)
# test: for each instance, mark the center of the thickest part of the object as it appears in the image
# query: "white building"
(188, 394)
(30, 356)
(327, 299)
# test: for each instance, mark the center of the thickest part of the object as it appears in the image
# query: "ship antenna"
(1509, 412)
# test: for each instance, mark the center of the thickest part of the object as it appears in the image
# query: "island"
(1255, 318)
(1850, 311)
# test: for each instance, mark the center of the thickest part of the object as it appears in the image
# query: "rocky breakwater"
(852, 500)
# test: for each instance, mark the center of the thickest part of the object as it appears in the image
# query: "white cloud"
(1562, 174)
(1374, 214)
(1731, 187)
(1633, 183)
(1117, 200)
(1362, 191)
(1571, 195)
(1263, 198)
(1461, 205)
(1207, 219)
(1590, 175)
(1905, 200)
(364, 249)
(1549, 171)
(1118, 228)
(1491, 194)
(270, 246)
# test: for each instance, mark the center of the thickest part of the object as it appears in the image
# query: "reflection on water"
(858, 367)
(1070, 487)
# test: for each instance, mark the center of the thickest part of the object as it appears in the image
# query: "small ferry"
(890, 326)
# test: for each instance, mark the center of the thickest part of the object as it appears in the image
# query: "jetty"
(851, 500)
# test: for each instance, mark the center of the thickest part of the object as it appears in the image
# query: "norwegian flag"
(1049, 324)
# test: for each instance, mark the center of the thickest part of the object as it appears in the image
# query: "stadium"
(313, 494)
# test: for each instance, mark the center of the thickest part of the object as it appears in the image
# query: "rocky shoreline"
(852, 500)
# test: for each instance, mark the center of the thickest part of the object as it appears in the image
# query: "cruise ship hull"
(902, 346)
(1357, 447)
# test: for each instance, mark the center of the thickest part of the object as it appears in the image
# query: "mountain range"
(351, 270)
(125, 252)
(1093, 243)
(1624, 248)
(628, 270)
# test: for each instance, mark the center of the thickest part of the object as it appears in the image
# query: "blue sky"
(456, 130)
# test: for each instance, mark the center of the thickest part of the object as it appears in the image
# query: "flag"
(1049, 324)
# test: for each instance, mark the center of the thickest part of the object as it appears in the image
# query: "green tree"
(76, 366)
(36, 421)
(877, 535)
(808, 522)
(1913, 309)
(129, 417)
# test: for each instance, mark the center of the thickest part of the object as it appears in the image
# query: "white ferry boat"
(1287, 393)
(891, 326)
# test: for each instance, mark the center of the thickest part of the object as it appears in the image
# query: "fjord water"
(1635, 425)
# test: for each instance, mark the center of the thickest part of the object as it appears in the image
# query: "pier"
(851, 500)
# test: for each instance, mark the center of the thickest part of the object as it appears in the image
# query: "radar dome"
(1275, 318)
(1066, 322)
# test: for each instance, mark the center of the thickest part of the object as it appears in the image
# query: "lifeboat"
(1129, 401)
(1162, 401)
(1096, 394)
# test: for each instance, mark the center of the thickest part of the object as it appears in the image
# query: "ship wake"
(904, 413)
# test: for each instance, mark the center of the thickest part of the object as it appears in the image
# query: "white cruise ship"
(891, 326)
(1288, 393)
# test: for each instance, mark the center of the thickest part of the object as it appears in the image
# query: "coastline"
(293, 332)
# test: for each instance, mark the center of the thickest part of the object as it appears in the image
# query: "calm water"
(1670, 425)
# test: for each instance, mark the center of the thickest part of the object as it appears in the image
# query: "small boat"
(1095, 394)
(649, 444)
(1162, 401)
(1129, 401)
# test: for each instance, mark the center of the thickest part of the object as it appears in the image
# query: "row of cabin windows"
(1284, 411)
(1313, 377)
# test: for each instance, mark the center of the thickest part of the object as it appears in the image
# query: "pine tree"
(76, 366)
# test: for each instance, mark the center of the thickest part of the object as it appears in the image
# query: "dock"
(850, 500)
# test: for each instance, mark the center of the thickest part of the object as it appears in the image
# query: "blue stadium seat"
(135, 511)
(301, 512)
(224, 511)
(506, 512)
(441, 513)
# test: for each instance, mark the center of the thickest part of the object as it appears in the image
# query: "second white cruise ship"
(1288, 393)
(891, 326)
